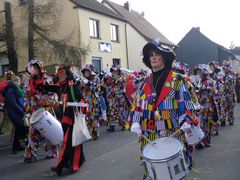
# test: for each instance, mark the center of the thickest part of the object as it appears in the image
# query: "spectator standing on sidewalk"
(15, 110)
(3, 84)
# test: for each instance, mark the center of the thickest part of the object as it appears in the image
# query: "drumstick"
(148, 140)
(172, 135)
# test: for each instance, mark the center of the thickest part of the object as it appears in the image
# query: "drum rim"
(41, 109)
(164, 160)
(177, 140)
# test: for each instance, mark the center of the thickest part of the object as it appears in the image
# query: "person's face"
(156, 60)
(86, 73)
(36, 70)
(115, 72)
(212, 68)
(30, 69)
(199, 73)
(17, 82)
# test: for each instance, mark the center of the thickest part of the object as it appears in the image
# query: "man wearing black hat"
(163, 103)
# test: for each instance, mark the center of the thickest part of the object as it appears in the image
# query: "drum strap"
(72, 93)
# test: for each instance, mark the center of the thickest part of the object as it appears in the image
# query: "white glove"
(186, 127)
(136, 128)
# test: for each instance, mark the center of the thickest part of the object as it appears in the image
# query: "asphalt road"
(114, 157)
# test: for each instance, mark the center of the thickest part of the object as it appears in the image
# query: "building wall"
(195, 49)
(135, 44)
(118, 48)
(68, 25)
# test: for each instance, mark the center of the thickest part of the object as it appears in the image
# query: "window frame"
(97, 58)
(97, 28)
(116, 59)
(116, 31)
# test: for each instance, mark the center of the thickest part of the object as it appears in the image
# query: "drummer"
(163, 103)
(39, 94)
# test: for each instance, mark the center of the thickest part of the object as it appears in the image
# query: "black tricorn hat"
(167, 53)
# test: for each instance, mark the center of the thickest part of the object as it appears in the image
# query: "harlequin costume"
(163, 103)
(219, 96)
(205, 95)
(91, 92)
(230, 94)
(70, 157)
(117, 98)
(39, 94)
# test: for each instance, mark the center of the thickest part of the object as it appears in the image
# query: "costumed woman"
(91, 91)
(219, 97)
(70, 157)
(230, 94)
(39, 94)
(118, 102)
(205, 94)
(163, 103)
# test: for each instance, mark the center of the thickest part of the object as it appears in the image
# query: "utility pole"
(30, 30)
(12, 55)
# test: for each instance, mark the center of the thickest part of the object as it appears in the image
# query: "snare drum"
(47, 125)
(194, 135)
(164, 160)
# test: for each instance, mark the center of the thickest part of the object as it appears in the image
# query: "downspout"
(126, 45)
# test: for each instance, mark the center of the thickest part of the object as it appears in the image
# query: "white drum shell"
(171, 168)
(194, 135)
(47, 125)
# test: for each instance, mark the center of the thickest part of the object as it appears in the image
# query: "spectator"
(15, 110)
(3, 84)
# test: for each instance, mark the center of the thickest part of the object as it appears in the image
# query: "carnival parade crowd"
(168, 102)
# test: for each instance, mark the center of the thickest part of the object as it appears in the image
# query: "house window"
(5, 68)
(23, 2)
(97, 63)
(94, 28)
(116, 61)
(114, 32)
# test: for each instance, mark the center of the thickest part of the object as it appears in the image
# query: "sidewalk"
(5, 140)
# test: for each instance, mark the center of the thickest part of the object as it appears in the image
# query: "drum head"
(36, 116)
(162, 148)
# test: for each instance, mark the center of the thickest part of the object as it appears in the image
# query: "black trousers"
(19, 129)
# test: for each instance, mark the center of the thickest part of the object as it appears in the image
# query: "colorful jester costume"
(117, 100)
(229, 89)
(39, 94)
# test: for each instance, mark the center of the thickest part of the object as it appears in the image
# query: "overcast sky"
(219, 20)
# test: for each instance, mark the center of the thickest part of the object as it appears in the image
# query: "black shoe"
(14, 152)
(215, 133)
(231, 124)
(199, 146)
(223, 124)
(56, 170)
(1, 133)
(123, 128)
(21, 148)
(111, 129)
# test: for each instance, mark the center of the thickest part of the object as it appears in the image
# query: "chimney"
(142, 14)
(198, 28)
(127, 6)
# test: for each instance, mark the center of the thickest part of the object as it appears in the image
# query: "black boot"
(111, 128)
(57, 170)
(94, 134)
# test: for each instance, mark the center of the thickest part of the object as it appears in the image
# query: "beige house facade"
(90, 26)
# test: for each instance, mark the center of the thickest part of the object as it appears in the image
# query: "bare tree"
(43, 20)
